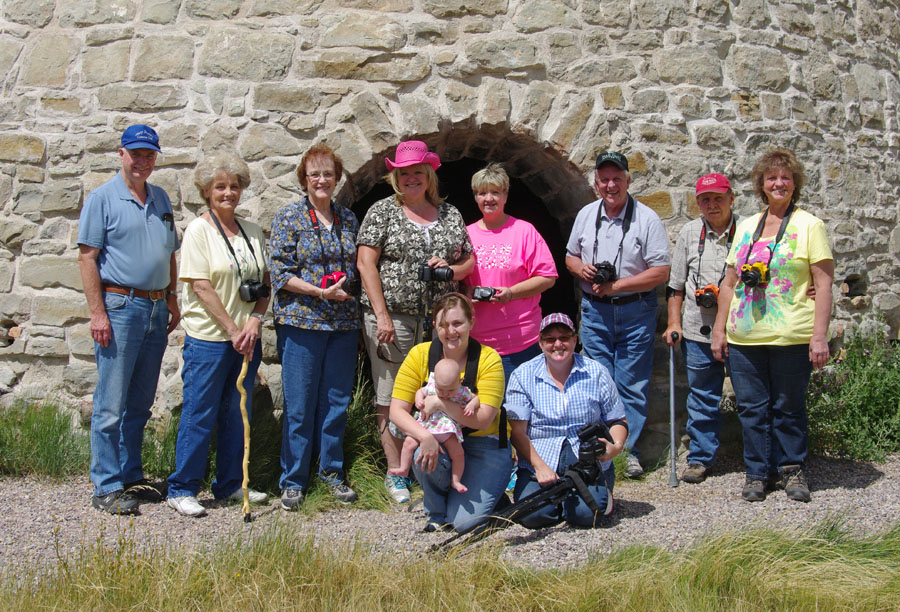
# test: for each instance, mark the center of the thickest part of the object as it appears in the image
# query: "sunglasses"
(383, 352)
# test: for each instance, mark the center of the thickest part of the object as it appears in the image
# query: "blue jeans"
(705, 378)
(514, 360)
(486, 474)
(317, 376)
(127, 373)
(212, 401)
(770, 386)
(621, 338)
(574, 510)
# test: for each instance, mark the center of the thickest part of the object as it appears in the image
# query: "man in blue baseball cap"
(127, 243)
(619, 251)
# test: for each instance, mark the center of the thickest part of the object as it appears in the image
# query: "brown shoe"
(795, 485)
(695, 473)
(754, 489)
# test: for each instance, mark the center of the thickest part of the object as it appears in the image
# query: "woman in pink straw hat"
(412, 246)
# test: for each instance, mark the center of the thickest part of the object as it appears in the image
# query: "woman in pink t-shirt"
(513, 266)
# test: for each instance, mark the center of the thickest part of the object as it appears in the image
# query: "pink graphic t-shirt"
(503, 258)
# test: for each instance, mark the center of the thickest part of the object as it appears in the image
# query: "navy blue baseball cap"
(140, 137)
(612, 157)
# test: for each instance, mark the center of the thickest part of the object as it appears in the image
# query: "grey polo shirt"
(645, 246)
(690, 272)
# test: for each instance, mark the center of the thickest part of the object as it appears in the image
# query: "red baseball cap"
(713, 182)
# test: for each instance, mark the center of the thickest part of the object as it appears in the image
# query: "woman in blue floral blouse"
(398, 236)
(312, 261)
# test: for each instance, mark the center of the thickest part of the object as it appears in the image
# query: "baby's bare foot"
(459, 487)
(398, 472)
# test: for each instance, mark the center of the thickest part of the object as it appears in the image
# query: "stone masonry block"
(106, 64)
(78, 13)
(50, 271)
(59, 309)
(34, 13)
(460, 8)
(601, 71)
(502, 53)
(366, 65)
(17, 147)
(538, 15)
(375, 124)
(264, 140)
(141, 98)
(160, 11)
(233, 53)
(361, 30)
(686, 64)
(48, 60)
(158, 58)
(213, 9)
(294, 98)
(758, 68)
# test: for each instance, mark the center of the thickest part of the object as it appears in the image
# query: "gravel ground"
(42, 522)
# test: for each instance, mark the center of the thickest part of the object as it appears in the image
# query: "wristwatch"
(256, 315)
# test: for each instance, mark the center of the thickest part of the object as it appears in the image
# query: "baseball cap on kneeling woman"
(140, 137)
(557, 318)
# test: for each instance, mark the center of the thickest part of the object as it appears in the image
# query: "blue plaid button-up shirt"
(555, 416)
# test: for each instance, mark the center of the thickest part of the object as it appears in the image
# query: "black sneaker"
(143, 490)
(117, 502)
(432, 526)
(754, 489)
(795, 485)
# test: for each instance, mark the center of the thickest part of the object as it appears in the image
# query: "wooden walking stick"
(245, 465)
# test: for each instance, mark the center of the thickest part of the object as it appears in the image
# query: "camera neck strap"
(314, 219)
(231, 249)
(701, 246)
(626, 225)
(759, 229)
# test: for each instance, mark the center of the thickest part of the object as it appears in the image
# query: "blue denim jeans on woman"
(770, 387)
(212, 402)
(574, 509)
(705, 377)
(621, 338)
(486, 474)
(127, 374)
(317, 375)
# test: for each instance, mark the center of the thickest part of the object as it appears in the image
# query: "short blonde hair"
(210, 166)
(431, 191)
(492, 175)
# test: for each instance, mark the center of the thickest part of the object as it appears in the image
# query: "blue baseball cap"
(140, 137)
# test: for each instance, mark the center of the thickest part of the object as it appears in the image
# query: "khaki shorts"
(384, 372)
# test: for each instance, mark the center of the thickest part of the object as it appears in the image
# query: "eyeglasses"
(551, 340)
(383, 352)
(320, 175)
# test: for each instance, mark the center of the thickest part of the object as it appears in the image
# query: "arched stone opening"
(545, 189)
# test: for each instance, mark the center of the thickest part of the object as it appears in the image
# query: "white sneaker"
(256, 497)
(397, 487)
(186, 505)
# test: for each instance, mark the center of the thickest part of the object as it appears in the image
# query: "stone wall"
(684, 87)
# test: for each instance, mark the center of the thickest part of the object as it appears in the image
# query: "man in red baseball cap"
(698, 266)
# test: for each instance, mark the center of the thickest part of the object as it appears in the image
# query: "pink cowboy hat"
(412, 152)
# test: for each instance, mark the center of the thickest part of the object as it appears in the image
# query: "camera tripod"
(576, 479)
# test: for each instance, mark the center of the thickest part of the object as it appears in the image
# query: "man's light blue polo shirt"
(136, 242)
(555, 416)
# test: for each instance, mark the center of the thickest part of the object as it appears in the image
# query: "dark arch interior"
(455, 180)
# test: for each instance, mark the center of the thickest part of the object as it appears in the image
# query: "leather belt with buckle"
(153, 294)
(615, 300)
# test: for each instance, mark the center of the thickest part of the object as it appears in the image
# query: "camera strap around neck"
(759, 229)
(626, 225)
(701, 246)
(314, 219)
(231, 249)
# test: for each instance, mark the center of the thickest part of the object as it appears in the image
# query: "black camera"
(707, 297)
(755, 275)
(606, 273)
(352, 286)
(250, 291)
(429, 274)
(483, 294)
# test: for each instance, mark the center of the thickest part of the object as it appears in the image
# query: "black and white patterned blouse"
(404, 245)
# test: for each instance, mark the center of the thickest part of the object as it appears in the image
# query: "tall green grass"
(822, 568)
(38, 439)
